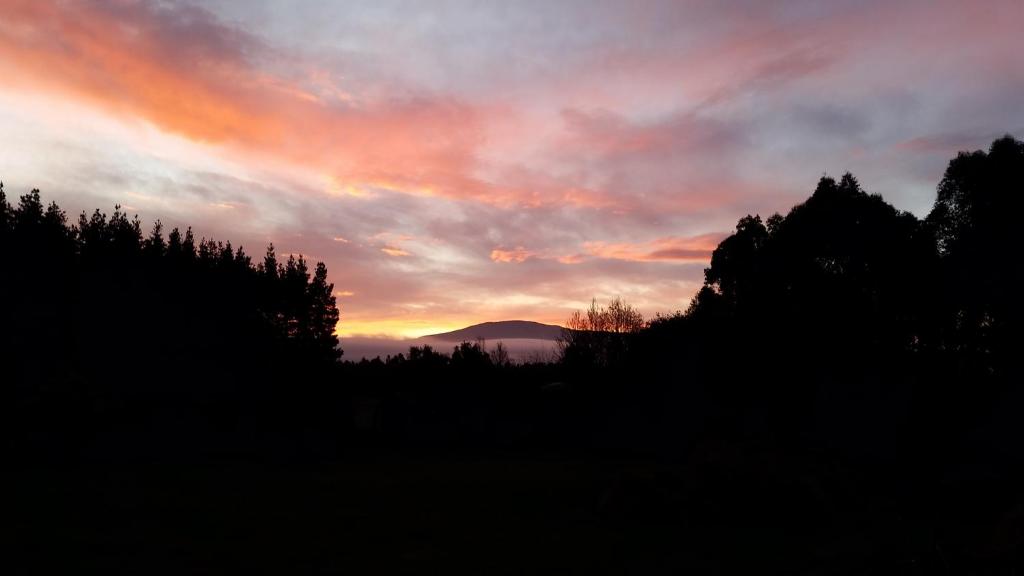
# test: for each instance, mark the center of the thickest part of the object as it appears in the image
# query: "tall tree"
(975, 220)
(323, 315)
(6, 212)
(155, 245)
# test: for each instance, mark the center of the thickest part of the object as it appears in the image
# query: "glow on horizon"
(406, 329)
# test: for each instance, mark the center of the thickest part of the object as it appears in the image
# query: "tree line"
(120, 343)
(843, 307)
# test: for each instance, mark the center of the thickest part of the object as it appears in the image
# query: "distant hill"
(524, 340)
(504, 330)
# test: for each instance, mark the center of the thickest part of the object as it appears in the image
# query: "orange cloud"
(393, 251)
(184, 71)
(572, 259)
(515, 255)
(179, 68)
(668, 249)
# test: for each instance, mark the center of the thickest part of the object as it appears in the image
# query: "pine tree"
(155, 245)
(188, 244)
(324, 313)
(174, 244)
(269, 267)
(29, 213)
(6, 213)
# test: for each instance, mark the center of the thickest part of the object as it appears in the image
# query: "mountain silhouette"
(506, 329)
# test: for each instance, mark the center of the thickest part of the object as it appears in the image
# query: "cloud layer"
(472, 161)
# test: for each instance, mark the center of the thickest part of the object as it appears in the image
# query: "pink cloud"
(393, 251)
(947, 143)
(182, 70)
(515, 255)
(668, 249)
(572, 259)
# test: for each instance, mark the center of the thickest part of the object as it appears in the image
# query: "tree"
(295, 298)
(269, 266)
(600, 336)
(499, 355)
(842, 269)
(29, 213)
(470, 356)
(125, 236)
(174, 248)
(734, 263)
(160, 346)
(323, 314)
(155, 246)
(975, 225)
(6, 213)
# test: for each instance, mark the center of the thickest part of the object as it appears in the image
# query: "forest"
(842, 394)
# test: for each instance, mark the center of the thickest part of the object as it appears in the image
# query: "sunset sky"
(458, 162)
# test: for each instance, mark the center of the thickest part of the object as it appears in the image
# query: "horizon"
(444, 332)
(472, 163)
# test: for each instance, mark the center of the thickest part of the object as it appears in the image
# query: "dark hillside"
(506, 329)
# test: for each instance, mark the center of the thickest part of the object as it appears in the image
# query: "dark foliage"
(117, 345)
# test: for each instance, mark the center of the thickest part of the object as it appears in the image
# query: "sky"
(455, 162)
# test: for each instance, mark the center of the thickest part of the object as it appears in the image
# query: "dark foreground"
(513, 516)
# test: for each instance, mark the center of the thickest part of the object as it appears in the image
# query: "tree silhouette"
(214, 340)
(6, 213)
(499, 355)
(975, 222)
(844, 269)
(735, 263)
(600, 336)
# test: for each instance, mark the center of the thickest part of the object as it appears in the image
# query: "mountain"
(504, 330)
(525, 341)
